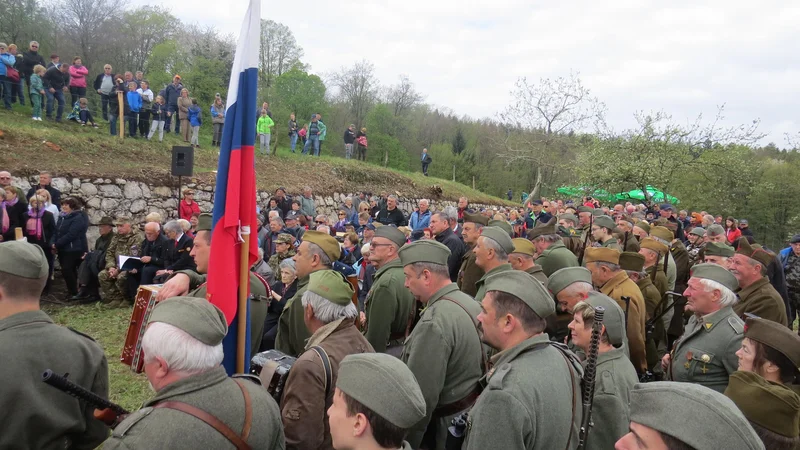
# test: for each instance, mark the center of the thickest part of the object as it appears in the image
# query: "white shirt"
(146, 95)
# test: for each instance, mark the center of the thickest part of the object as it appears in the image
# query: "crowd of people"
(483, 314)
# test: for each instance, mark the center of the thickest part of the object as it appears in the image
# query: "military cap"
(500, 236)
(24, 260)
(106, 221)
(523, 286)
(718, 249)
(631, 261)
(503, 225)
(759, 254)
(393, 234)
(204, 222)
(716, 273)
(424, 251)
(693, 414)
(570, 217)
(476, 218)
(122, 219)
(284, 238)
(292, 215)
(597, 212)
(605, 222)
(662, 233)
(774, 335)
(542, 230)
(613, 318)
(562, 278)
(643, 225)
(196, 316)
(383, 384)
(601, 254)
(671, 226)
(585, 209)
(524, 246)
(769, 405)
(698, 231)
(326, 242)
(715, 230)
(331, 285)
(652, 244)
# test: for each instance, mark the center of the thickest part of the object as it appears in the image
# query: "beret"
(204, 222)
(698, 231)
(503, 225)
(759, 254)
(643, 225)
(523, 286)
(718, 249)
(716, 273)
(631, 261)
(326, 242)
(331, 285)
(715, 230)
(196, 316)
(524, 246)
(654, 245)
(774, 335)
(769, 405)
(23, 259)
(393, 234)
(693, 414)
(601, 254)
(662, 233)
(476, 218)
(605, 222)
(500, 236)
(424, 251)
(568, 216)
(562, 278)
(385, 385)
(613, 318)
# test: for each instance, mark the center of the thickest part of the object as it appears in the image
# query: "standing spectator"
(45, 180)
(732, 232)
(134, 105)
(104, 84)
(30, 60)
(12, 214)
(147, 105)
(282, 291)
(193, 221)
(195, 120)
(7, 60)
(40, 229)
(84, 115)
(292, 131)
(56, 81)
(442, 233)
(272, 205)
(790, 259)
(159, 118)
(349, 139)
(77, 79)
(217, 120)
(188, 206)
(361, 140)
(70, 242)
(5, 180)
(37, 91)
(263, 130)
(184, 103)
(510, 194)
(350, 211)
(301, 134)
(139, 79)
(744, 227)
(114, 106)
(426, 160)
(171, 95)
(55, 61)
(314, 131)
(48, 202)
(15, 76)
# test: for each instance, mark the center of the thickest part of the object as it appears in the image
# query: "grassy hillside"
(67, 148)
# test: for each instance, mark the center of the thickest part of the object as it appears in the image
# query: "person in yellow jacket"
(263, 127)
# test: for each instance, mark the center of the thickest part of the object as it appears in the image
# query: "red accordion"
(142, 308)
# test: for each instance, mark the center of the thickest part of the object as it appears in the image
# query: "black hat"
(795, 239)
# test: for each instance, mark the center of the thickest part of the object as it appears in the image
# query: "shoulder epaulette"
(498, 373)
(130, 421)
(737, 324)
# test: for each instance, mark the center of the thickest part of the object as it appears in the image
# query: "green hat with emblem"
(476, 218)
(605, 222)
(196, 316)
(567, 216)
(23, 259)
(330, 285)
(523, 286)
(326, 242)
(284, 238)
(424, 251)
(500, 236)
(385, 385)
(774, 335)
(716, 273)
(204, 222)
(769, 405)
(562, 278)
(756, 253)
(503, 225)
(393, 234)
(613, 317)
(718, 249)
(693, 414)
(715, 230)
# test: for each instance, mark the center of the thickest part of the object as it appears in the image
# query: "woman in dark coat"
(282, 291)
(13, 213)
(70, 242)
(39, 229)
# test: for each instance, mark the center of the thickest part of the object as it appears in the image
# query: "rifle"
(586, 241)
(589, 374)
(627, 301)
(650, 325)
(105, 411)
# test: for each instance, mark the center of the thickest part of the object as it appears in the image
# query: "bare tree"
(21, 21)
(358, 87)
(402, 96)
(279, 51)
(85, 23)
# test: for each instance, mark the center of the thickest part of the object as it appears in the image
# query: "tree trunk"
(473, 182)
(386, 158)
(537, 186)
(454, 172)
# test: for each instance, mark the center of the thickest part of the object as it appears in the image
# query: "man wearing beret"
(196, 404)
(377, 400)
(553, 254)
(531, 396)
(706, 353)
(491, 254)
(127, 242)
(444, 351)
(329, 315)
(603, 232)
(678, 416)
(615, 374)
(389, 306)
(757, 296)
(470, 273)
(33, 415)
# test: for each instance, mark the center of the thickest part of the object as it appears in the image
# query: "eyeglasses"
(34, 46)
(320, 222)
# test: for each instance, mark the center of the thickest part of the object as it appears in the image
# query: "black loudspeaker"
(182, 161)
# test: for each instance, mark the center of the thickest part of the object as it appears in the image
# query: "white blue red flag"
(235, 198)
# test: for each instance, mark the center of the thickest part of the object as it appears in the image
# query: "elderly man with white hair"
(178, 251)
(329, 315)
(420, 219)
(706, 353)
(196, 404)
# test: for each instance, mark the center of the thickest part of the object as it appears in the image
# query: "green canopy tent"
(652, 193)
(581, 191)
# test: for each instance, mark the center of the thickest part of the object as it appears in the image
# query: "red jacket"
(186, 210)
(733, 235)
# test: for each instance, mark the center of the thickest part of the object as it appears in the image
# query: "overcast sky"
(685, 57)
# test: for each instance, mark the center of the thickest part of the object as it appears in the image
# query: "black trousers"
(70, 261)
(144, 122)
(425, 168)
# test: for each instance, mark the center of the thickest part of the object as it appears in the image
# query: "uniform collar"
(441, 293)
(534, 270)
(555, 245)
(501, 268)
(709, 321)
(390, 265)
(615, 281)
(614, 353)
(190, 384)
(510, 354)
(24, 318)
(758, 284)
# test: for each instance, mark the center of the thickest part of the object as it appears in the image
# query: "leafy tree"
(87, 24)
(22, 21)
(299, 92)
(140, 31)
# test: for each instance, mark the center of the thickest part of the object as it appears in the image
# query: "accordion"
(142, 308)
(272, 367)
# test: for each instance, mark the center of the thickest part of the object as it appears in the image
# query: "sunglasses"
(320, 222)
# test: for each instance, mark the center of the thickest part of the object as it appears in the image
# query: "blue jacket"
(71, 232)
(419, 222)
(6, 59)
(194, 116)
(784, 255)
(134, 101)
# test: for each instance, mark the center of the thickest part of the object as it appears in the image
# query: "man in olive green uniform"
(33, 415)
(585, 216)
(531, 397)
(389, 305)
(756, 295)
(522, 259)
(652, 251)
(716, 253)
(183, 352)
(470, 273)
(126, 242)
(615, 375)
(444, 351)
(633, 264)
(553, 254)
(706, 353)
(193, 284)
(491, 254)
(603, 232)
(569, 236)
(284, 248)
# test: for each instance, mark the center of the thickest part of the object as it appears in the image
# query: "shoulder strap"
(326, 364)
(484, 359)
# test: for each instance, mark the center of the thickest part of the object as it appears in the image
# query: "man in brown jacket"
(633, 264)
(470, 273)
(756, 294)
(329, 315)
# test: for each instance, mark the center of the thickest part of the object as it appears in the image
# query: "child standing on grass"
(263, 129)
(159, 119)
(134, 105)
(84, 115)
(37, 91)
(195, 121)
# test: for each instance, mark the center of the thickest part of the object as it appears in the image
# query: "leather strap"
(248, 411)
(459, 405)
(484, 358)
(326, 364)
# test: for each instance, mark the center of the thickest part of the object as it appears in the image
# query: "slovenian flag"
(235, 198)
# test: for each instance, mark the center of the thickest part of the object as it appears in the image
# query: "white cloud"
(686, 57)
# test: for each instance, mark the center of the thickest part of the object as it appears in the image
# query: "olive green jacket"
(212, 392)
(531, 400)
(389, 306)
(469, 274)
(123, 245)
(480, 284)
(706, 353)
(292, 332)
(555, 257)
(612, 243)
(610, 414)
(34, 415)
(445, 354)
(537, 272)
(761, 299)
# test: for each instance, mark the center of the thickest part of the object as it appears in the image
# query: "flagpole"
(241, 312)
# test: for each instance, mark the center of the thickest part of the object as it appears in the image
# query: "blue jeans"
(294, 141)
(58, 95)
(6, 90)
(315, 140)
(112, 123)
(174, 110)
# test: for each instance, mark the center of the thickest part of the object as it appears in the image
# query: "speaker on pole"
(182, 161)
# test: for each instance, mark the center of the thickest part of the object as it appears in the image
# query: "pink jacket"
(77, 76)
